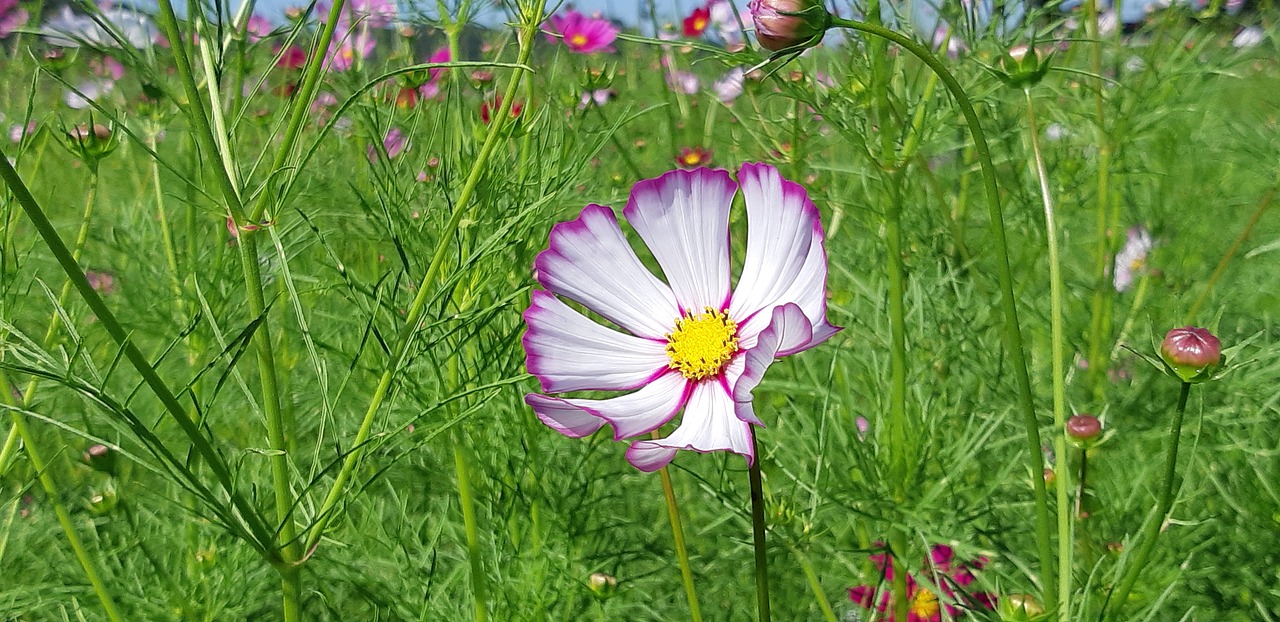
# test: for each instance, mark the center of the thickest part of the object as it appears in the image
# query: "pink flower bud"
(1084, 428)
(1191, 353)
(781, 24)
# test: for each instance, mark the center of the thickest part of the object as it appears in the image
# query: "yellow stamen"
(701, 345)
(578, 40)
(925, 603)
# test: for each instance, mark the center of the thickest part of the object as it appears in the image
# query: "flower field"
(500, 311)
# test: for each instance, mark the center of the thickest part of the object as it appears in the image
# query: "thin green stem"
(898, 550)
(1103, 293)
(814, 584)
(50, 486)
(1230, 254)
(677, 536)
(1011, 327)
(1151, 530)
(1058, 364)
(413, 318)
(467, 500)
(758, 534)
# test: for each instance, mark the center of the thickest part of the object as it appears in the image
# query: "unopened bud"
(783, 24)
(602, 585)
(100, 458)
(1084, 429)
(91, 142)
(1192, 354)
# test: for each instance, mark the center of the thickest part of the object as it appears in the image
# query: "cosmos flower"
(582, 34)
(696, 23)
(693, 157)
(946, 588)
(693, 344)
(685, 82)
(1131, 259)
(394, 143)
(598, 97)
(729, 86)
(11, 17)
(69, 29)
(258, 28)
(343, 56)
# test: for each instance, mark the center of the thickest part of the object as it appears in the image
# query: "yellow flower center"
(925, 603)
(692, 158)
(699, 24)
(701, 345)
(578, 40)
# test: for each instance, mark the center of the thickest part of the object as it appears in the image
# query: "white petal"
(788, 329)
(786, 257)
(590, 261)
(567, 351)
(631, 414)
(683, 216)
(709, 424)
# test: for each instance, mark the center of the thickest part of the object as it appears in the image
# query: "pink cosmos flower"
(685, 82)
(729, 86)
(694, 344)
(293, 57)
(946, 588)
(343, 56)
(258, 28)
(697, 21)
(106, 67)
(582, 34)
(11, 17)
(394, 142)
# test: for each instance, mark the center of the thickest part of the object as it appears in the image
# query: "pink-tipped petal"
(788, 328)
(709, 424)
(683, 216)
(635, 413)
(589, 260)
(786, 257)
(567, 351)
(562, 416)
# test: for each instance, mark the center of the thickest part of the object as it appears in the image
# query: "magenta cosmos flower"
(947, 589)
(582, 34)
(692, 343)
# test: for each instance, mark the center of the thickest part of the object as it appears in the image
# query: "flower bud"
(1084, 429)
(1192, 354)
(783, 24)
(57, 60)
(602, 585)
(1022, 66)
(101, 459)
(1019, 608)
(91, 142)
(103, 502)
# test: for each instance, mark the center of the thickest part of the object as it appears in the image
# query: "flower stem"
(1151, 530)
(758, 534)
(528, 29)
(467, 501)
(677, 535)
(1011, 327)
(1058, 364)
(814, 584)
(1103, 292)
(50, 486)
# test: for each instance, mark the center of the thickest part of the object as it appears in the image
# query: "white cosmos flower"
(691, 343)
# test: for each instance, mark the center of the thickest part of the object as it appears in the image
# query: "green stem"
(1103, 292)
(814, 584)
(1058, 363)
(758, 534)
(1011, 327)
(466, 499)
(1230, 254)
(897, 551)
(677, 535)
(1151, 530)
(410, 328)
(51, 491)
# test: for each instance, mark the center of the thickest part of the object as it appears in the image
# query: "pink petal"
(631, 414)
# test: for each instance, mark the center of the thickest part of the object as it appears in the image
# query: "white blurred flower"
(69, 29)
(1248, 37)
(1132, 259)
(729, 86)
(89, 91)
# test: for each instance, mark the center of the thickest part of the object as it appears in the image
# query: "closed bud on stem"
(1192, 354)
(100, 458)
(787, 24)
(1020, 608)
(1022, 66)
(57, 60)
(602, 585)
(91, 142)
(1084, 430)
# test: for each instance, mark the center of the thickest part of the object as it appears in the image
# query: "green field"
(336, 426)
